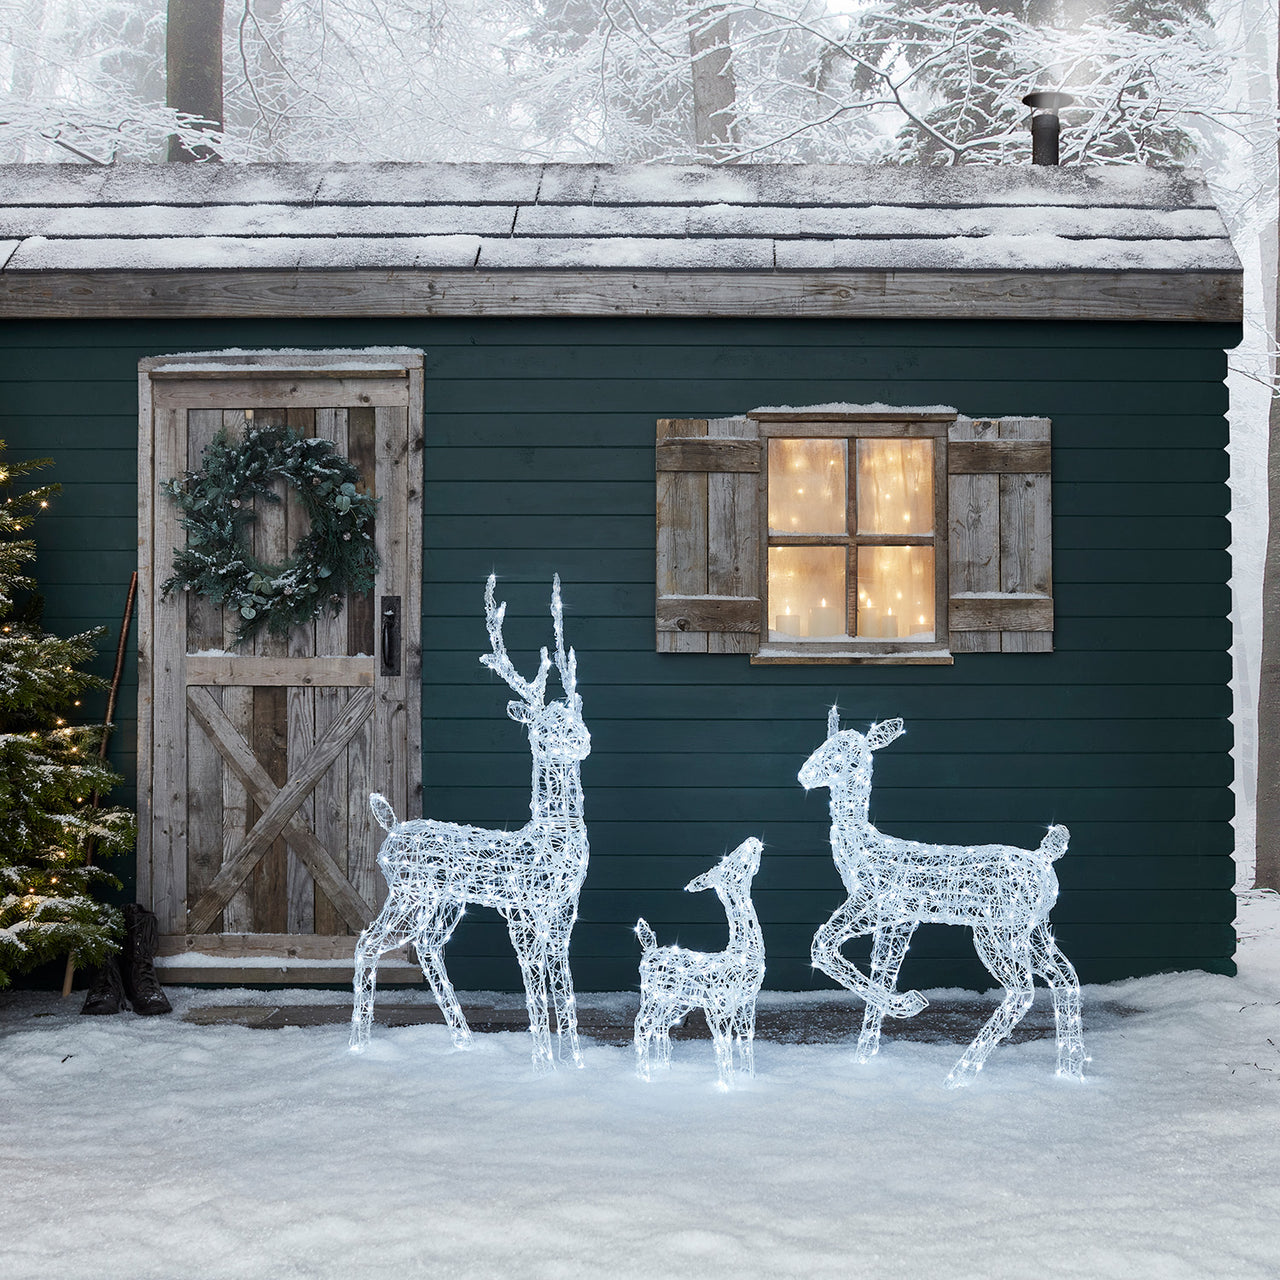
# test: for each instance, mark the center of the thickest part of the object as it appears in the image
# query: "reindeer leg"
(434, 929)
(643, 1036)
(719, 1025)
(660, 1017)
(852, 920)
(744, 1030)
(388, 930)
(887, 953)
(1008, 958)
(531, 952)
(562, 992)
(664, 1043)
(1048, 961)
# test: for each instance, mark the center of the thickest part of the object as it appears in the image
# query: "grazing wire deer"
(724, 984)
(531, 876)
(1003, 893)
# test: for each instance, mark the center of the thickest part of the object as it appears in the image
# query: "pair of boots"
(129, 979)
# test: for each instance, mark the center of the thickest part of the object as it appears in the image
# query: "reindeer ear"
(382, 810)
(880, 735)
(520, 712)
(833, 721)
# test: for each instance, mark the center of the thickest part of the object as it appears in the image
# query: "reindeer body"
(724, 984)
(1003, 893)
(531, 876)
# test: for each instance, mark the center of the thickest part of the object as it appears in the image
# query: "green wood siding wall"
(540, 459)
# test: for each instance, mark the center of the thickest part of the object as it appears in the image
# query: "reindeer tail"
(648, 939)
(382, 810)
(1054, 844)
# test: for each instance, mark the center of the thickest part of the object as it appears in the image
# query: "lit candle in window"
(788, 623)
(875, 625)
(824, 620)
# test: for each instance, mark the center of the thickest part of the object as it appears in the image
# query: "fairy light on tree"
(49, 769)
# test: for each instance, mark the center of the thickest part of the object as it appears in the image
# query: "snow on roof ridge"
(506, 216)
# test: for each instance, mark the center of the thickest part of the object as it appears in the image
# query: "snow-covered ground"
(141, 1148)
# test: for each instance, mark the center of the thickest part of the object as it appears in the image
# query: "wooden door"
(256, 761)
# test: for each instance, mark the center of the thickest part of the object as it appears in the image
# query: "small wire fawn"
(1004, 894)
(531, 876)
(722, 983)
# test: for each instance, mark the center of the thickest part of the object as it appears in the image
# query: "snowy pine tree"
(51, 777)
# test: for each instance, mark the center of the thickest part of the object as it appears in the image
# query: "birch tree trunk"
(1267, 869)
(193, 69)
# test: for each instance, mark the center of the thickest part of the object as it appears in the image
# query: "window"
(853, 535)
(853, 512)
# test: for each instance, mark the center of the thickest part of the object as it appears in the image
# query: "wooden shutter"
(1001, 554)
(709, 533)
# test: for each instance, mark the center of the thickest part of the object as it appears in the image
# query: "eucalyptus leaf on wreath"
(336, 556)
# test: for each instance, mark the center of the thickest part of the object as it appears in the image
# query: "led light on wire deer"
(1004, 894)
(724, 984)
(531, 876)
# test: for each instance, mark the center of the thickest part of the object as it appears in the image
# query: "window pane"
(895, 486)
(807, 481)
(806, 592)
(895, 593)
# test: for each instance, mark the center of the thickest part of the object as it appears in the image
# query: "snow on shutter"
(708, 535)
(1001, 554)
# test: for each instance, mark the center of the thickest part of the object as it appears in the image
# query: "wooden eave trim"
(1201, 296)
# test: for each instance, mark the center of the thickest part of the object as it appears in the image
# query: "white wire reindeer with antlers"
(531, 876)
(724, 984)
(1003, 893)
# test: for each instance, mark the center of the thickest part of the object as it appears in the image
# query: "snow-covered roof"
(861, 228)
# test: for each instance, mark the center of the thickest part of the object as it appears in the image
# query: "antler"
(534, 691)
(566, 665)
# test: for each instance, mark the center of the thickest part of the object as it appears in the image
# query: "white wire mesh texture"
(531, 876)
(1002, 893)
(724, 984)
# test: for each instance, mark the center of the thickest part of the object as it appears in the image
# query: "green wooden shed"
(944, 444)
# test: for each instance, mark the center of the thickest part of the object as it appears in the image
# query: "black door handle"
(390, 634)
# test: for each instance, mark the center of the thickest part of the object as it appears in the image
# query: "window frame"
(851, 427)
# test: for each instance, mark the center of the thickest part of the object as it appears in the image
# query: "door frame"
(267, 379)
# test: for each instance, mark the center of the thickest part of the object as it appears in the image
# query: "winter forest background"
(792, 81)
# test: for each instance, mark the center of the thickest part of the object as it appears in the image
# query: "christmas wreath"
(335, 556)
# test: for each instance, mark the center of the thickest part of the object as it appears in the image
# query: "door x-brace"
(278, 808)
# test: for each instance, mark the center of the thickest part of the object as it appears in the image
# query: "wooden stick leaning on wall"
(107, 726)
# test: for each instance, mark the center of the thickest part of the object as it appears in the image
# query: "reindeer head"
(735, 870)
(845, 758)
(555, 729)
